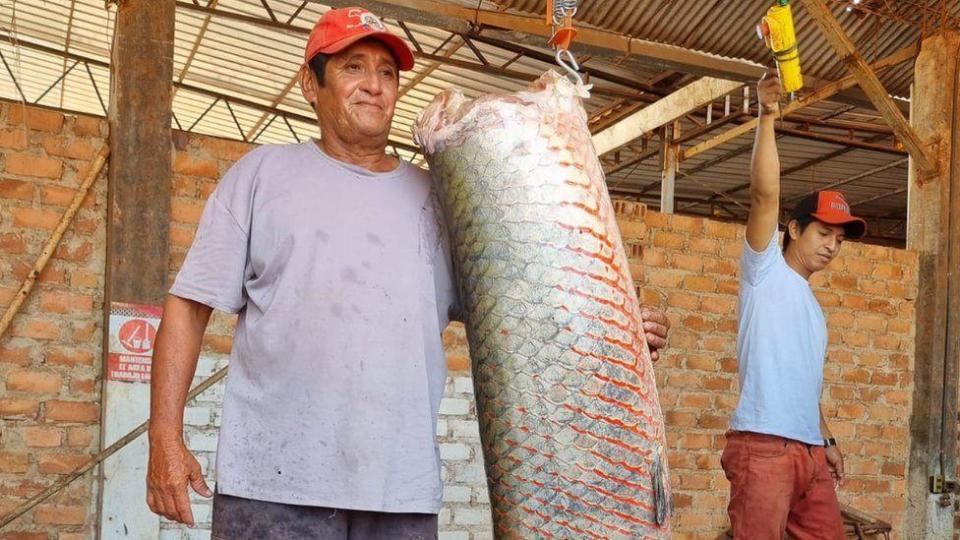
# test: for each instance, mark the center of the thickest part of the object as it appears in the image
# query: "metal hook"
(568, 62)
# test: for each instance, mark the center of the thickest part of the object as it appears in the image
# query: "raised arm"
(172, 467)
(765, 167)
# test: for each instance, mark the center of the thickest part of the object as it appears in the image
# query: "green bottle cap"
(783, 2)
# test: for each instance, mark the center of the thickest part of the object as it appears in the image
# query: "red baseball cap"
(832, 208)
(338, 29)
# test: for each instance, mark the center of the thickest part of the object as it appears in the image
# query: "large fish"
(570, 423)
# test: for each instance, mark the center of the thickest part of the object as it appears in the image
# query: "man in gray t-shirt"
(333, 254)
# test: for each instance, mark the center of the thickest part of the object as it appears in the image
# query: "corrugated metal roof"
(234, 75)
(727, 28)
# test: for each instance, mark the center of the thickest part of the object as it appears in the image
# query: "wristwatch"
(829, 442)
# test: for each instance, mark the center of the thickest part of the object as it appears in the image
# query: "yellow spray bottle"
(776, 29)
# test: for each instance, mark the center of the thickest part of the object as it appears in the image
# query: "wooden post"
(140, 167)
(669, 156)
(138, 225)
(845, 49)
(933, 230)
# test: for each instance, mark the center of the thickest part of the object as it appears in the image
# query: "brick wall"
(50, 365)
(867, 295)
(50, 359)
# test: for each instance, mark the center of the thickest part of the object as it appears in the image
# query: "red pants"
(779, 485)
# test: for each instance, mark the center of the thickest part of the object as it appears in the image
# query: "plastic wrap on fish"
(570, 422)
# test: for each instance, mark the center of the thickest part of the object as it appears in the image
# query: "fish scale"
(570, 422)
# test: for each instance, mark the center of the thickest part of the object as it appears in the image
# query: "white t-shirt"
(781, 346)
(342, 280)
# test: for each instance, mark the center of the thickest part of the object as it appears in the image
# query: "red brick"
(683, 261)
(696, 401)
(719, 305)
(39, 382)
(700, 284)
(79, 437)
(712, 421)
(687, 224)
(25, 164)
(219, 344)
(680, 419)
(185, 212)
(850, 411)
(76, 253)
(843, 282)
(633, 230)
(16, 189)
(14, 463)
(728, 286)
(25, 535)
(840, 319)
(52, 274)
(60, 515)
(695, 441)
(83, 386)
(63, 196)
(724, 267)
(37, 329)
(184, 163)
(888, 271)
(13, 355)
(13, 138)
(181, 236)
(887, 342)
(36, 118)
(664, 279)
(827, 299)
(716, 229)
(41, 437)
(11, 407)
(69, 357)
(85, 226)
(88, 126)
(880, 305)
(84, 280)
(72, 411)
(708, 246)
(722, 383)
(668, 240)
(458, 362)
(34, 218)
(61, 463)
(84, 331)
(61, 302)
(226, 149)
(12, 243)
(683, 301)
(698, 324)
(58, 146)
(654, 257)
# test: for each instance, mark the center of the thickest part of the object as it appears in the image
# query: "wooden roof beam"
(820, 94)
(663, 111)
(870, 84)
(591, 41)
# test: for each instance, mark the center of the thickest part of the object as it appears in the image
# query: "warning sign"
(133, 331)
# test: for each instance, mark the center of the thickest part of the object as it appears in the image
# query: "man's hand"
(172, 467)
(769, 92)
(835, 463)
(656, 325)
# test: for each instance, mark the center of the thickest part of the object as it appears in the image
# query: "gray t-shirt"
(343, 284)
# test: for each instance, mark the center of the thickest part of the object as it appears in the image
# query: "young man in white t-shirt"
(781, 459)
